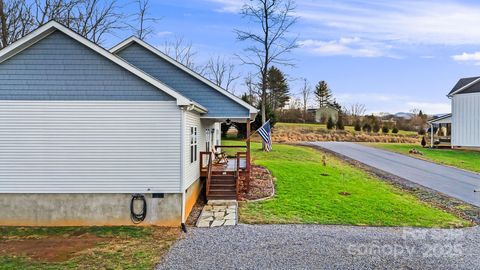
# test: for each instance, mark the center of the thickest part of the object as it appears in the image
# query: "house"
(86, 131)
(322, 114)
(464, 122)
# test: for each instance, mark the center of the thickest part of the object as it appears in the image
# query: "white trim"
(154, 50)
(464, 87)
(51, 26)
(440, 118)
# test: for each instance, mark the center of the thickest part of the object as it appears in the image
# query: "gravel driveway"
(454, 182)
(324, 247)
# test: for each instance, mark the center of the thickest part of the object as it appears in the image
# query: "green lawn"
(303, 195)
(323, 126)
(84, 247)
(464, 159)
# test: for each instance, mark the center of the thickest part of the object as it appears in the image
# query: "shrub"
(330, 124)
(358, 127)
(376, 128)
(366, 127)
(395, 130)
(340, 125)
(385, 130)
(421, 131)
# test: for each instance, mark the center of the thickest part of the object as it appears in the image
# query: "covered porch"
(227, 168)
(440, 131)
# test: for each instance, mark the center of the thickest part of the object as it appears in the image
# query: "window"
(193, 144)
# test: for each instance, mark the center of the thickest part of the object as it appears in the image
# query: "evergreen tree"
(278, 89)
(323, 93)
(358, 127)
(340, 124)
(330, 123)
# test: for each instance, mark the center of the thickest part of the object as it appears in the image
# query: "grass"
(464, 159)
(109, 248)
(324, 127)
(304, 196)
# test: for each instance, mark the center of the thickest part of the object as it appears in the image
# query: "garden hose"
(138, 217)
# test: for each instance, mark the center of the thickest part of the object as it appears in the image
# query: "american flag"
(266, 133)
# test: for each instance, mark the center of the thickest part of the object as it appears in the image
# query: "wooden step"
(223, 185)
(220, 197)
(222, 193)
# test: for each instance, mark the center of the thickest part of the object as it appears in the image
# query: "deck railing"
(208, 168)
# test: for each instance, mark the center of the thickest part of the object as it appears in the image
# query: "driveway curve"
(454, 182)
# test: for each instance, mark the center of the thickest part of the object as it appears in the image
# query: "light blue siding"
(60, 68)
(218, 104)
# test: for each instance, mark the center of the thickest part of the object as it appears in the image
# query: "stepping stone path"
(218, 213)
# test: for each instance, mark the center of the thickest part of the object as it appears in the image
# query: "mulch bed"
(261, 185)
(196, 210)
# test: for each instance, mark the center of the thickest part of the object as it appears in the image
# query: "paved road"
(453, 182)
(324, 247)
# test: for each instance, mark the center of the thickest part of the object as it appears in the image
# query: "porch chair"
(220, 157)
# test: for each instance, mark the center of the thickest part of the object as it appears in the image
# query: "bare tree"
(142, 24)
(270, 42)
(182, 51)
(221, 72)
(90, 18)
(357, 110)
(305, 91)
(252, 89)
(16, 19)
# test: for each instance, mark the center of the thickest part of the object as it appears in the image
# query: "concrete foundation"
(85, 210)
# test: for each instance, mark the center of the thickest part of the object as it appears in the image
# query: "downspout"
(182, 165)
(182, 159)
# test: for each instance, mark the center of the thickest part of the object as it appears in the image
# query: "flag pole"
(248, 138)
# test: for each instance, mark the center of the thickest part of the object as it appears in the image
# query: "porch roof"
(445, 119)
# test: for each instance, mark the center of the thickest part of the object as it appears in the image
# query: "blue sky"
(389, 55)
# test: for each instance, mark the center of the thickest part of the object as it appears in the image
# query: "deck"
(231, 166)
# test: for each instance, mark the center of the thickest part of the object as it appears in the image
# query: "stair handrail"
(237, 176)
(209, 172)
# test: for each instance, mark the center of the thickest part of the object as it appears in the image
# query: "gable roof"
(52, 26)
(465, 83)
(127, 42)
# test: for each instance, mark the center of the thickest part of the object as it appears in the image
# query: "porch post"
(248, 155)
(431, 135)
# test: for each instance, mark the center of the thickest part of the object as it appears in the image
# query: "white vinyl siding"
(192, 169)
(466, 120)
(89, 146)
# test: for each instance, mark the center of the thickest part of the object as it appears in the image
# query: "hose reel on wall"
(136, 215)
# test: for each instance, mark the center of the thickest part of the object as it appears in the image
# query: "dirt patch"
(261, 185)
(430, 196)
(51, 248)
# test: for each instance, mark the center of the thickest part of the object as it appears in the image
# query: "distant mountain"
(404, 115)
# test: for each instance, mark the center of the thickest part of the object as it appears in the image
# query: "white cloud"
(408, 21)
(229, 6)
(164, 33)
(431, 108)
(355, 47)
(468, 58)
(377, 102)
